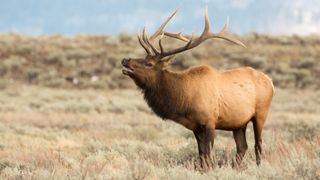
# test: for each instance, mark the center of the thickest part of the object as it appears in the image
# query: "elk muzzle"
(126, 70)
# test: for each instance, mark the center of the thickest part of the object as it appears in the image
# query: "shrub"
(30, 59)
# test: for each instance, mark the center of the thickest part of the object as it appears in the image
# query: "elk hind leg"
(258, 124)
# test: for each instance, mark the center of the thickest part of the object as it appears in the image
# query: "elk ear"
(167, 61)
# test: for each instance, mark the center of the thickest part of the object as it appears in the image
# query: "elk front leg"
(205, 140)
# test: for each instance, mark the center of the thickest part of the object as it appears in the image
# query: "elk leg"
(241, 143)
(205, 140)
(258, 123)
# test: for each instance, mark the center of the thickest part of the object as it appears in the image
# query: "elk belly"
(187, 123)
(237, 107)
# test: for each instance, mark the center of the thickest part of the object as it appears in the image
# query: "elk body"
(202, 98)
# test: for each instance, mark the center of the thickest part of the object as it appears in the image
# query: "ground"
(48, 133)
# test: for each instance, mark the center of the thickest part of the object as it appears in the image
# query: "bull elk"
(202, 98)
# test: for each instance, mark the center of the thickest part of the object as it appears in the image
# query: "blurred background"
(66, 110)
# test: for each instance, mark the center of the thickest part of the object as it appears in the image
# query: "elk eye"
(149, 64)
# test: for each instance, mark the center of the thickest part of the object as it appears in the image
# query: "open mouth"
(126, 70)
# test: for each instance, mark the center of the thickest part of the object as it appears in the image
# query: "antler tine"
(143, 45)
(177, 36)
(191, 39)
(147, 41)
(225, 27)
(160, 43)
(160, 29)
(206, 22)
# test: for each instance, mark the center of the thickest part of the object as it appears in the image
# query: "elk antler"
(192, 42)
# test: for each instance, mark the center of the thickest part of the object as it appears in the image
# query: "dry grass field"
(51, 128)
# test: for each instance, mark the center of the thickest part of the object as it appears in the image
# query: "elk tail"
(273, 89)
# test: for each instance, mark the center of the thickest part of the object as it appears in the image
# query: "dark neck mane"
(161, 99)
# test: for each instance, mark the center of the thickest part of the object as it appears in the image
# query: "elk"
(202, 98)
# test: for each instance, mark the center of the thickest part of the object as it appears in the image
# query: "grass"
(51, 133)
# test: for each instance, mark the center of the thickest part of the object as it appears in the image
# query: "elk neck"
(164, 96)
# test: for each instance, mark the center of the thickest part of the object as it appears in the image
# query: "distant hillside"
(94, 61)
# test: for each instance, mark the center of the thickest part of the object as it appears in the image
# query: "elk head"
(148, 70)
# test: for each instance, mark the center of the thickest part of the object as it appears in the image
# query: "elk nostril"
(124, 61)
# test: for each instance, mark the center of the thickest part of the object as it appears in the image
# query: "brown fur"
(203, 99)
